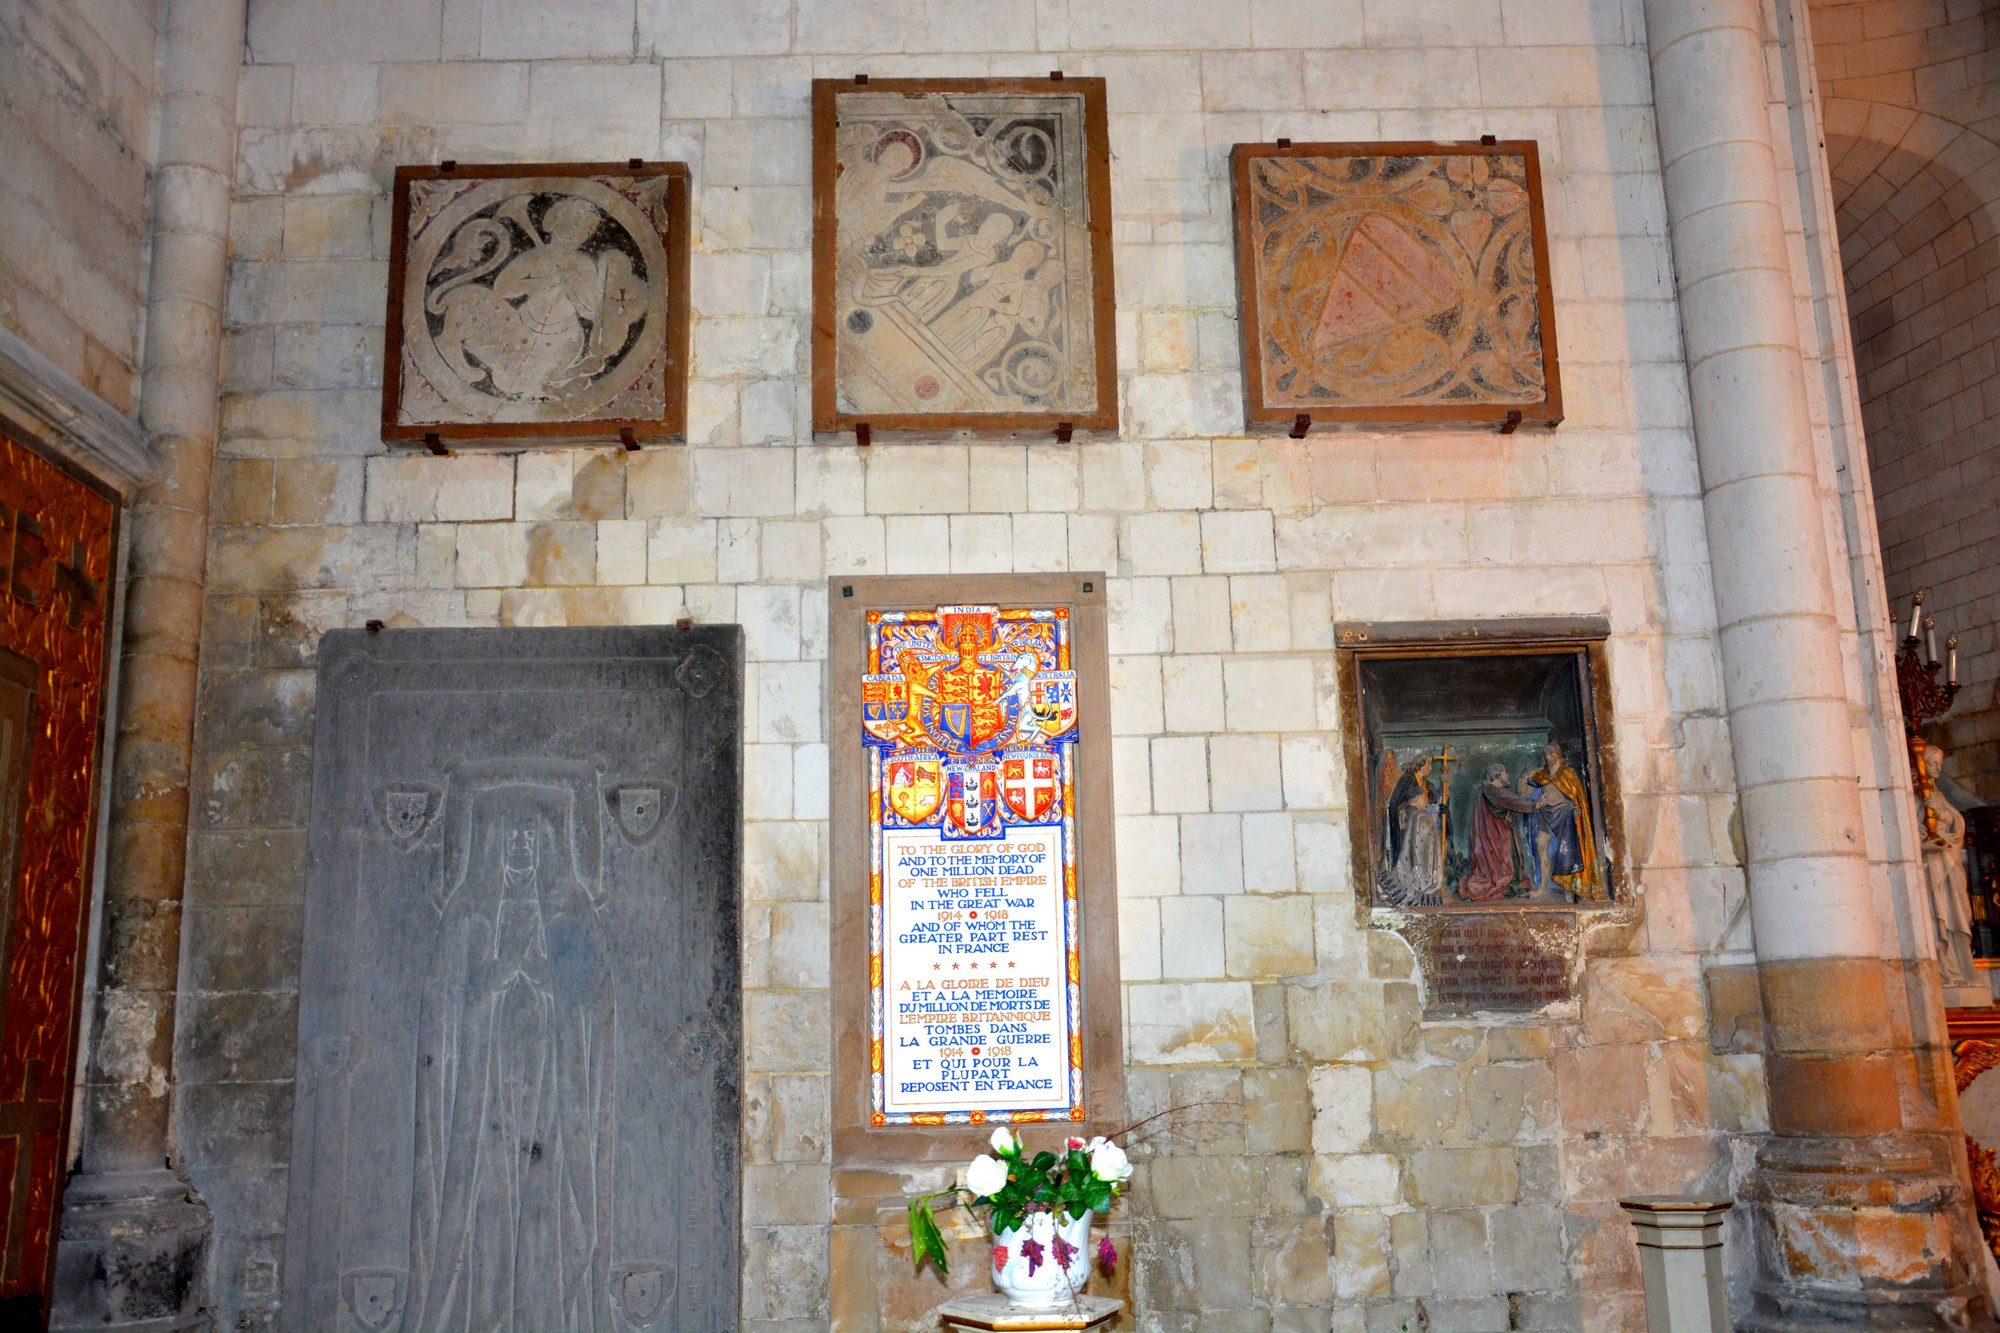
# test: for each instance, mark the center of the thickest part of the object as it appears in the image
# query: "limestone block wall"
(76, 139)
(1912, 144)
(1360, 1160)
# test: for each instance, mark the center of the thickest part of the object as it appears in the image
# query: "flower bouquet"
(1040, 1210)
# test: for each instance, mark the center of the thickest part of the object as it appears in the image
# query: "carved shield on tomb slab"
(638, 807)
(642, 1288)
(374, 1296)
(407, 810)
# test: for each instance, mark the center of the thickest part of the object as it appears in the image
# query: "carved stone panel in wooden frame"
(962, 256)
(1394, 283)
(1487, 827)
(537, 303)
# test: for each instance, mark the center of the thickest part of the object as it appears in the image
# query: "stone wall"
(1911, 141)
(1359, 1160)
(76, 138)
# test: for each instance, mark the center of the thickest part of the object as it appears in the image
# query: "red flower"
(1064, 1253)
(1031, 1250)
(1107, 1255)
(999, 1257)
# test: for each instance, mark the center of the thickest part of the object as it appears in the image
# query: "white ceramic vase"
(1051, 1284)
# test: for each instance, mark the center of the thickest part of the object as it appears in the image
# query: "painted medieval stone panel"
(519, 1033)
(537, 303)
(962, 255)
(1394, 282)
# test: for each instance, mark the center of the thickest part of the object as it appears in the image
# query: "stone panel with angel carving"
(539, 303)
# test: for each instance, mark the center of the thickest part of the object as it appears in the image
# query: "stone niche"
(1487, 830)
(519, 1070)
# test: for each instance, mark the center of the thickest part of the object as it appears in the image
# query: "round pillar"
(134, 1240)
(1858, 1207)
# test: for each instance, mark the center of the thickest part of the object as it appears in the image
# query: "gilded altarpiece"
(57, 538)
(1394, 283)
(961, 255)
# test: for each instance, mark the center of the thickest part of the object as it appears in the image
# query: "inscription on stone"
(1513, 963)
(518, 1097)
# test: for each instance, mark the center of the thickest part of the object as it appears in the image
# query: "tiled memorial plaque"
(1486, 825)
(975, 950)
(975, 977)
(539, 303)
(518, 1084)
(1394, 283)
(962, 256)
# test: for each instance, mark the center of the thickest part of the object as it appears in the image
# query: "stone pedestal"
(1680, 1253)
(991, 1311)
(132, 1252)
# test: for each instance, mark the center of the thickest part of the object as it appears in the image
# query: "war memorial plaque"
(518, 1086)
(975, 950)
(970, 718)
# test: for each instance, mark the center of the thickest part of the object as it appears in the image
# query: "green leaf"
(926, 1241)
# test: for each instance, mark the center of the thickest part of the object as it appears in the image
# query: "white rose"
(1109, 1163)
(1004, 1143)
(985, 1177)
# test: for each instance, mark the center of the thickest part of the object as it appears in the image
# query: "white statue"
(1944, 875)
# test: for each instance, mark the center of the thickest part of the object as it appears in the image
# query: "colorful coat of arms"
(984, 692)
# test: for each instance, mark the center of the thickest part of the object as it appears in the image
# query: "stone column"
(134, 1240)
(1856, 1199)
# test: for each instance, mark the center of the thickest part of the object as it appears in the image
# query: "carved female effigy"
(1394, 282)
(959, 261)
(530, 302)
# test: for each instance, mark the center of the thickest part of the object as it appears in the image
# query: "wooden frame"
(1586, 637)
(665, 236)
(28, 1239)
(855, 1138)
(1262, 412)
(828, 416)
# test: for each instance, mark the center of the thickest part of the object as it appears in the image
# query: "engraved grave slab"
(518, 1088)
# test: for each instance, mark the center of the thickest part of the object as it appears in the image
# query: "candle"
(1916, 613)
(1951, 652)
(1930, 640)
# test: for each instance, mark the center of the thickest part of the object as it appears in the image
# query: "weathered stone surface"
(520, 995)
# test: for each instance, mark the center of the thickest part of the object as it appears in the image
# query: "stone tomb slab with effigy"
(518, 1089)
(1394, 284)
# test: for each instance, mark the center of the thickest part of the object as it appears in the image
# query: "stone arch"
(1917, 201)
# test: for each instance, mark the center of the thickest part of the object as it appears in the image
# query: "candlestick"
(1951, 655)
(1916, 613)
(1930, 640)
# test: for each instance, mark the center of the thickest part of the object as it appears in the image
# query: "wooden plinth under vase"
(991, 1311)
